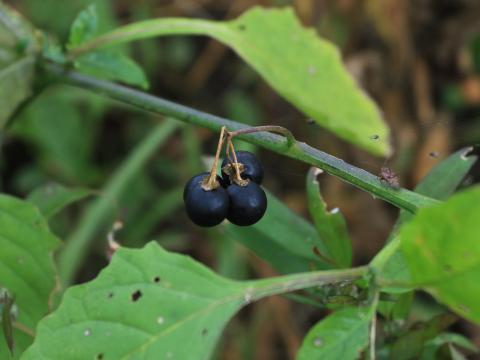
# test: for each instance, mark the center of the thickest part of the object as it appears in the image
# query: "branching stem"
(401, 198)
(269, 128)
(235, 164)
(211, 182)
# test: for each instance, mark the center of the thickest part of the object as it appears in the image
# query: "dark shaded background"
(419, 59)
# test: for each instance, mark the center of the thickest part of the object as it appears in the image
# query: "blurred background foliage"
(419, 59)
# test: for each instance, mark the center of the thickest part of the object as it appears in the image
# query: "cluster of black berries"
(240, 199)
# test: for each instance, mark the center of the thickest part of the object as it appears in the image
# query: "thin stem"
(270, 128)
(24, 329)
(150, 28)
(360, 178)
(289, 283)
(373, 324)
(235, 164)
(211, 182)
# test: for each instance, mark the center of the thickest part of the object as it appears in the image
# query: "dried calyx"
(231, 171)
(236, 168)
(236, 195)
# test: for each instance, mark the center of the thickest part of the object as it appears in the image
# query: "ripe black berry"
(205, 208)
(252, 167)
(247, 203)
(199, 178)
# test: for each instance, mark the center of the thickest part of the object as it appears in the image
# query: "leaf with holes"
(26, 267)
(331, 225)
(441, 250)
(341, 335)
(144, 304)
(148, 301)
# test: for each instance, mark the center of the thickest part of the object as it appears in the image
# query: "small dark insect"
(389, 177)
(434, 154)
(310, 121)
(375, 137)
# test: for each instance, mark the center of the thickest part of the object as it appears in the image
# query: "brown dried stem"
(211, 182)
(235, 164)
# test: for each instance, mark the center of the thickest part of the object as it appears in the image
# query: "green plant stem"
(360, 178)
(149, 28)
(289, 283)
(76, 247)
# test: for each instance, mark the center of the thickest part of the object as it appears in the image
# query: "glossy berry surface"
(247, 204)
(194, 180)
(205, 208)
(253, 168)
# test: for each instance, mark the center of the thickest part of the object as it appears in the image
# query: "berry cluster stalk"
(401, 198)
(211, 182)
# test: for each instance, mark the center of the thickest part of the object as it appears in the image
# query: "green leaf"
(397, 307)
(410, 345)
(432, 346)
(331, 225)
(455, 354)
(148, 301)
(341, 335)
(164, 205)
(144, 304)
(26, 266)
(16, 81)
(52, 198)
(282, 238)
(84, 27)
(439, 184)
(103, 64)
(16, 33)
(99, 213)
(444, 178)
(61, 127)
(305, 69)
(390, 264)
(441, 251)
(112, 66)
(455, 339)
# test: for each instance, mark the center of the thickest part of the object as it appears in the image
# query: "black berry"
(196, 179)
(205, 208)
(247, 203)
(252, 167)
